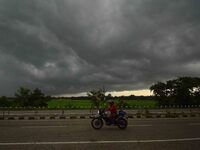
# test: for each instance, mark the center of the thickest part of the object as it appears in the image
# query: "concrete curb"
(85, 114)
(88, 116)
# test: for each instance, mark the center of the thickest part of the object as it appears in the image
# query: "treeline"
(180, 91)
(25, 97)
(131, 97)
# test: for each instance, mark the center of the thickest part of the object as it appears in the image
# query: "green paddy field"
(85, 104)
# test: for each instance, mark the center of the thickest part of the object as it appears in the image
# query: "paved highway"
(141, 134)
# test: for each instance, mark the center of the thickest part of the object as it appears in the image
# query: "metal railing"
(88, 107)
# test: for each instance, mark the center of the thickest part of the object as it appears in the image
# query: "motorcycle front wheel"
(97, 123)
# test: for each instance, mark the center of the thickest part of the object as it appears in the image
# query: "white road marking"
(44, 126)
(101, 142)
(140, 125)
(30, 127)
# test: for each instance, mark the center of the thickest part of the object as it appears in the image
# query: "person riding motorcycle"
(113, 110)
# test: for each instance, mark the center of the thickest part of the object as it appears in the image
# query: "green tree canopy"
(25, 97)
(180, 91)
(97, 97)
(4, 102)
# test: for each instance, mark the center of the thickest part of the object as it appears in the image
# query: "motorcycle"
(102, 117)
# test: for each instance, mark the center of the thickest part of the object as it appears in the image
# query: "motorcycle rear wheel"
(97, 123)
(122, 123)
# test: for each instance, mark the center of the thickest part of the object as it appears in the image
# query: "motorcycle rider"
(113, 110)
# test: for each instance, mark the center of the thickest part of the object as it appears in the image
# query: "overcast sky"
(72, 46)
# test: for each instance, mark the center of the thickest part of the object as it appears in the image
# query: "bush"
(27, 98)
(4, 102)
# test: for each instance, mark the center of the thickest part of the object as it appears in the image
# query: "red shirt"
(112, 109)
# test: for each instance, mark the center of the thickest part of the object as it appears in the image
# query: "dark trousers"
(113, 117)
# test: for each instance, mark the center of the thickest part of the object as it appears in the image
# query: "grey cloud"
(70, 46)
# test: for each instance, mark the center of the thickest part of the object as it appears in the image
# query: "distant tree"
(131, 97)
(180, 91)
(38, 99)
(4, 102)
(109, 96)
(97, 97)
(159, 90)
(25, 97)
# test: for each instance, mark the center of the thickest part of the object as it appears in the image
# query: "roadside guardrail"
(42, 114)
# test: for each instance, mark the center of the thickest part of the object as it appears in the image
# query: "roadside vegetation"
(183, 91)
(180, 91)
(87, 104)
(25, 97)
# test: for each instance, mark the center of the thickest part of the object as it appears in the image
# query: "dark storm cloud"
(71, 46)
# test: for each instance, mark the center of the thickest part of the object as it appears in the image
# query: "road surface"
(141, 134)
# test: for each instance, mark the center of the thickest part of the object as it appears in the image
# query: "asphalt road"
(141, 134)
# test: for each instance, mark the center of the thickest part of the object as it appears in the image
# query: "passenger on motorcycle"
(113, 110)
